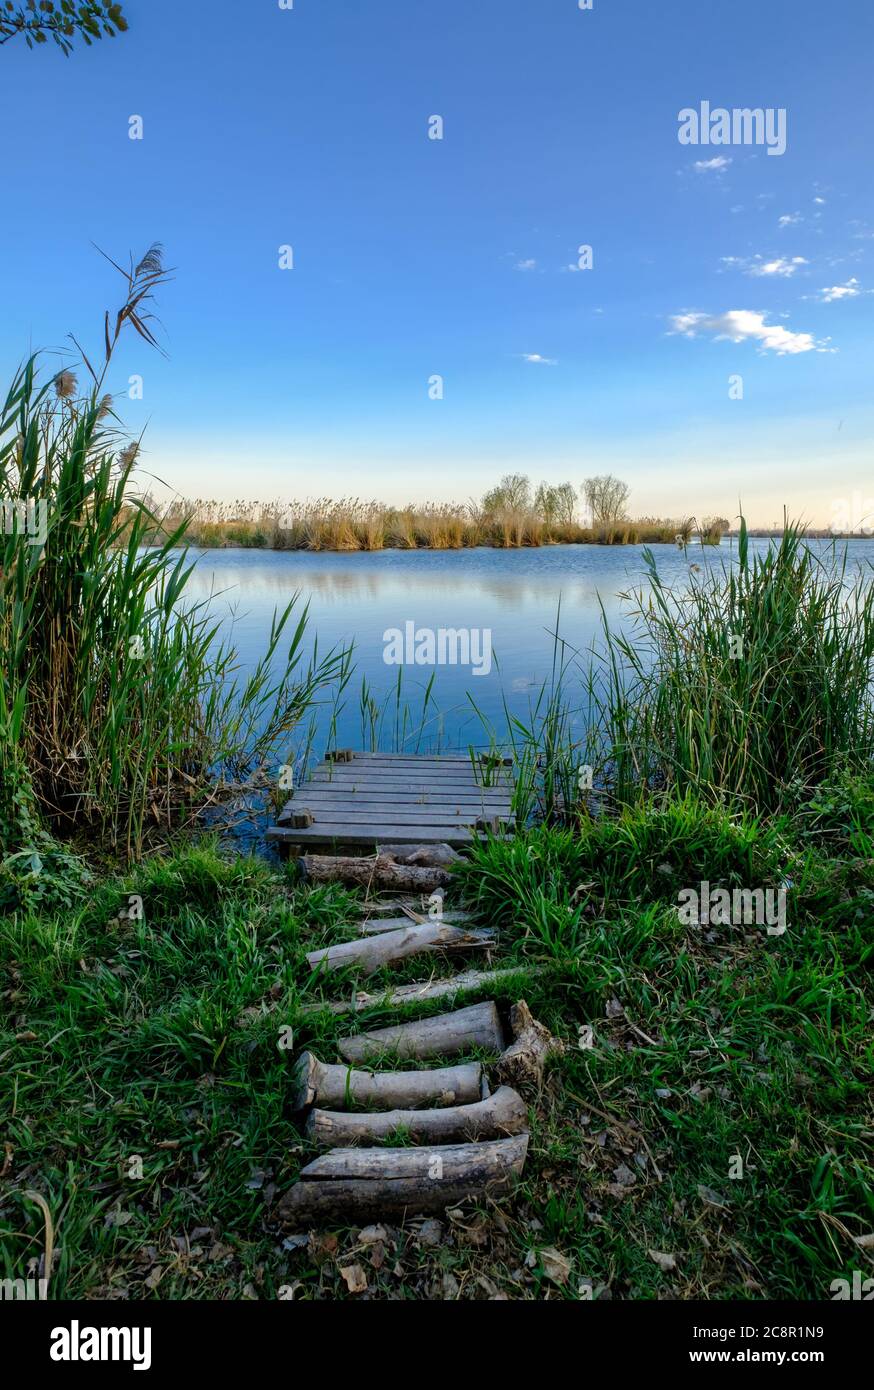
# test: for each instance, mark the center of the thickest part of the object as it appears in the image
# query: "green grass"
(159, 1038)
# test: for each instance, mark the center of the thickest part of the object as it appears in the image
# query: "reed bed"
(351, 524)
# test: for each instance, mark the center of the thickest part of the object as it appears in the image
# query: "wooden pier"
(362, 801)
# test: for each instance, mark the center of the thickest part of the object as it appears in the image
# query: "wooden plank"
(406, 780)
(409, 791)
(382, 794)
(376, 765)
(351, 815)
(331, 795)
(337, 834)
(410, 758)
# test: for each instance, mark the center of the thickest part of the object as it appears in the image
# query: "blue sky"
(415, 257)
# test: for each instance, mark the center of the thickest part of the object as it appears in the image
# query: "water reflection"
(355, 598)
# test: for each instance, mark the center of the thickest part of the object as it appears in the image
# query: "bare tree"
(605, 498)
(60, 20)
(513, 493)
(556, 504)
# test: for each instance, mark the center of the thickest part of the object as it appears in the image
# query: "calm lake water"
(513, 594)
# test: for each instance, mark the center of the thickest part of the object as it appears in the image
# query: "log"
(371, 953)
(337, 1087)
(376, 871)
(376, 926)
(432, 989)
(429, 1164)
(445, 1035)
(402, 1182)
(502, 1114)
(524, 1059)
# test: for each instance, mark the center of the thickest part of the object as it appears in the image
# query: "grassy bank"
(352, 524)
(706, 1132)
(158, 1039)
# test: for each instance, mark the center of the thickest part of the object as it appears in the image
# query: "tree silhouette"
(60, 20)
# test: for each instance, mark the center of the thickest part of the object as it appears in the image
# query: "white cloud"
(781, 265)
(743, 325)
(526, 265)
(538, 360)
(789, 219)
(707, 166)
(849, 290)
(817, 199)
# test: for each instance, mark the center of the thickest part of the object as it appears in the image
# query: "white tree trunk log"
(401, 1182)
(446, 1035)
(371, 953)
(336, 1087)
(434, 989)
(502, 1114)
(379, 872)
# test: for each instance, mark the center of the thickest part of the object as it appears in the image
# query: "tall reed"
(118, 701)
(751, 683)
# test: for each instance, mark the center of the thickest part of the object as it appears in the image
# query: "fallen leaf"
(665, 1262)
(295, 1242)
(430, 1232)
(356, 1279)
(556, 1266)
(321, 1248)
(373, 1235)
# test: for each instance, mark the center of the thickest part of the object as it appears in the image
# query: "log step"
(376, 926)
(498, 1116)
(378, 872)
(446, 1035)
(337, 1087)
(372, 953)
(364, 1183)
(430, 989)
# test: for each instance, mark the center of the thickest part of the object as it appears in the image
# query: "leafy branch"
(61, 20)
